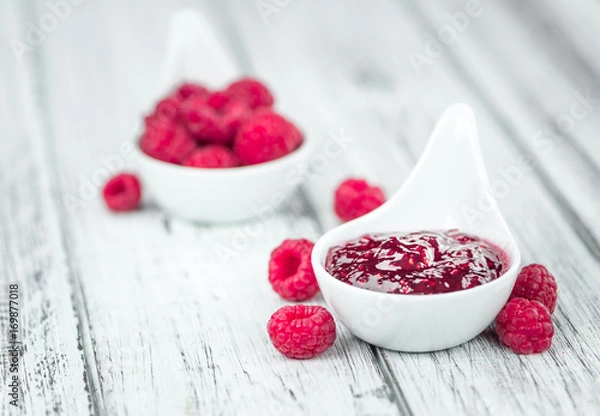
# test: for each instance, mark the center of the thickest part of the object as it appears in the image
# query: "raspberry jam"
(423, 262)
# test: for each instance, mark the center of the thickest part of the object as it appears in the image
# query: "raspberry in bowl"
(220, 155)
(453, 283)
(187, 153)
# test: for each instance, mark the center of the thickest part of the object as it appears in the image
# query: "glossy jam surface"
(423, 262)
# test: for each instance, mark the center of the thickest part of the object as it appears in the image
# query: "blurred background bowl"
(222, 195)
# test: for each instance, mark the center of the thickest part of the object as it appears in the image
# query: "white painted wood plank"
(533, 98)
(176, 327)
(545, 387)
(566, 33)
(283, 49)
(373, 84)
(52, 373)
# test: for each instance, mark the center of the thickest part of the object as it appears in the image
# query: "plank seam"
(39, 111)
(77, 293)
(388, 375)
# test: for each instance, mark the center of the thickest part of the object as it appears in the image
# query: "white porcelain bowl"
(222, 195)
(195, 53)
(448, 180)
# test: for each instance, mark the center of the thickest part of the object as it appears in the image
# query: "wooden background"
(138, 314)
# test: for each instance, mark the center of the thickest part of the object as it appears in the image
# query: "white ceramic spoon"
(195, 53)
(447, 189)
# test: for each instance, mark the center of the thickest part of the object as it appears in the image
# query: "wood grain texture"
(151, 315)
(32, 254)
(547, 109)
(566, 32)
(177, 324)
(384, 100)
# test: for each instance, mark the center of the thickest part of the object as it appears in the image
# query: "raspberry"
(254, 93)
(166, 141)
(536, 283)
(301, 331)
(218, 100)
(234, 114)
(167, 107)
(290, 270)
(187, 90)
(122, 193)
(355, 198)
(525, 326)
(203, 121)
(265, 136)
(212, 156)
(214, 121)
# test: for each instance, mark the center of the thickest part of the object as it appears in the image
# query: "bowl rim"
(515, 261)
(298, 155)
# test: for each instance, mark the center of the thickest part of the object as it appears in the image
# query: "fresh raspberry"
(166, 141)
(218, 100)
(167, 107)
(214, 125)
(536, 283)
(525, 326)
(122, 193)
(204, 122)
(234, 114)
(302, 331)
(290, 270)
(188, 89)
(252, 92)
(212, 156)
(355, 198)
(265, 136)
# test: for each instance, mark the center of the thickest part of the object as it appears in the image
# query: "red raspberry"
(234, 114)
(212, 156)
(265, 136)
(525, 326)
(290, 270)
(355, 198)
(166, 141)
(203, 121)
(252, 92)
(536, 283)
(167, 107)
(218, 100)
(302, 331)
(208, 124)
(187, 90)
(122, 193)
